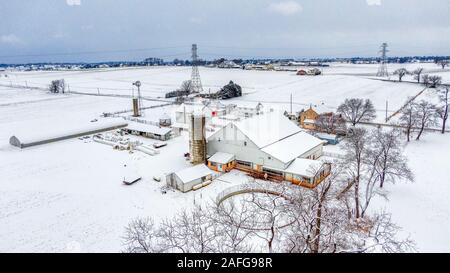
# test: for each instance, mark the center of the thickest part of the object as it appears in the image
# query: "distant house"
(307, 119)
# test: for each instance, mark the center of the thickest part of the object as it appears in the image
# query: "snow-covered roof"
(294, 146)
(189, 108)
(69, 131)
(180, 125)
(193, 173)
(165, 116)
(148, 128)
(304, 167)
(267, 128)
(221, 158)
(326, 136)
(321, 108)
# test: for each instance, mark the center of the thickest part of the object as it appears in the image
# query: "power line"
(91, 52)
(290, 48)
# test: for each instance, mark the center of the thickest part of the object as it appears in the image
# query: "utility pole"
(139, 102)
(387, 104)
(382, 70)
(291, 104)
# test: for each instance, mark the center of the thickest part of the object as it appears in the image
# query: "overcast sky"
(98, 30)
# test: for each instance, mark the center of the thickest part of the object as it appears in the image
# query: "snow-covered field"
(68, 196)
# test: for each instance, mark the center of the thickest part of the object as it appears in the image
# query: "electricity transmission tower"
(196, 82)
(382, 71)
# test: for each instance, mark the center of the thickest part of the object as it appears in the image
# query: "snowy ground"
(68, 196)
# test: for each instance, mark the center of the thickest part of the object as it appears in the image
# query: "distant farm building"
(309, 72)
(148, 130)
(268, 146)
(34, 139)
(301, 72)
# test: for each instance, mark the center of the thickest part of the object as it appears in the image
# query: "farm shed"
(148, 130)
(29, 140)
(185, 180)
(329, 138)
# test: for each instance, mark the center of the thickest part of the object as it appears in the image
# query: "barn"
(267, 144)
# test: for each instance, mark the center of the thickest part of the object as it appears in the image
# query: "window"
(273, 172)
(245, 143)
(244, 163)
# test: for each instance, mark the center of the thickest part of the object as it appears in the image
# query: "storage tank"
(197, 139)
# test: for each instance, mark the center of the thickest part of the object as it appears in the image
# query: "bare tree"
(443, 63)
(186, 87)
(322, 225)
(269, 211)
(417, 74)
(141, 236)
(434, 81)
(379, 235)
(426, 79)
(401, 72)
(409, 119)
(331, 123)
(357, 110)
(201, 230)
(443, 109)
(387, 157)
(356, 147)
(426, 116)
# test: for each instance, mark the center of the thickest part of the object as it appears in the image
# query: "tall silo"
(197, 139)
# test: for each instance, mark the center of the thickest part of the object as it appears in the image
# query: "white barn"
(268, 143)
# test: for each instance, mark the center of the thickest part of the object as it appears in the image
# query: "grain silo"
(197, 139)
